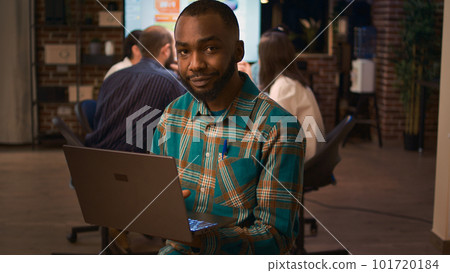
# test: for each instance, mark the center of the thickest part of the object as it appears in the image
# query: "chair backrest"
(318, 171)
(68, 134)
(85, 112)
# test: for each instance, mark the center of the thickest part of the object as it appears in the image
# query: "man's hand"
(197, 241)
(186, 193)
(246, 68)
(174, 67)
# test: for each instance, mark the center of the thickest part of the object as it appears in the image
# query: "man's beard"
(170, 60)
(218, 87)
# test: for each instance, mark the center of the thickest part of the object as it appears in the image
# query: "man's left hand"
(174, 67)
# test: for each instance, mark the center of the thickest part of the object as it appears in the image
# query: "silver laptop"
(114, 188)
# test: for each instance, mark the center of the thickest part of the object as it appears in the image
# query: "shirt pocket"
(236, 180)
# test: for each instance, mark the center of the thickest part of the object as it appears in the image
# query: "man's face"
(206, 52)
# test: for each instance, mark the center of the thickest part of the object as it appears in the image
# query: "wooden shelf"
(75, 26)
(77, 30)
(61, 26)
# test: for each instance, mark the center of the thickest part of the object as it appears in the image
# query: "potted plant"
(418, 61)
(311, 28)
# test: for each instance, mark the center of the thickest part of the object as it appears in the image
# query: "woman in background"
(286, 85)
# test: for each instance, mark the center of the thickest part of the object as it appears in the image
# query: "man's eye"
(182, 52)
(210, 49)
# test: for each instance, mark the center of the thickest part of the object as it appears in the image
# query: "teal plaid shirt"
(254, 180)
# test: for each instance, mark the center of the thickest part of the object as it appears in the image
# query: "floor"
(382, 203)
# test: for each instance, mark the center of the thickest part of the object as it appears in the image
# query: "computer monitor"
(140, 14)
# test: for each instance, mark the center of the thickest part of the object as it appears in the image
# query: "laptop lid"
(139, 192)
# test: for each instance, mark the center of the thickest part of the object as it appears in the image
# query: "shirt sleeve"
(278, 192)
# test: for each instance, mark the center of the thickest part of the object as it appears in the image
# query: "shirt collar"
(242, 105)
(127, 61)
(150, 61)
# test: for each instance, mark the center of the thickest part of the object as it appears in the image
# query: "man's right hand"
(246, 68)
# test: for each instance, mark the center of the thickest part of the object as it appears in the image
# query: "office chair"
(318, 172)
(85, 111)
(72, 139)
(68, 134)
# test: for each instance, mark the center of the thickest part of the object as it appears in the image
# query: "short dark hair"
(131, 40)
(202, 7)
(153, 39)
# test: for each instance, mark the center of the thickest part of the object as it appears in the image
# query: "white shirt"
(118, 66)
(300, 102)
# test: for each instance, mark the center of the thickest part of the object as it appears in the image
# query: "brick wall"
(323, 69)
(64, 75)
(387, 16)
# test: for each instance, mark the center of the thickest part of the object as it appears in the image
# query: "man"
(255, 177)
(128, 90)
(132, 54)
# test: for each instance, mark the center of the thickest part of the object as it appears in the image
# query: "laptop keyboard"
(195, 225)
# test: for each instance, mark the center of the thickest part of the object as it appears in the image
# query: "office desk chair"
(68, 134)
(72, 139)
(85, 112)
(318, 172)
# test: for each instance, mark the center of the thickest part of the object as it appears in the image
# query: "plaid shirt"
(235, 184)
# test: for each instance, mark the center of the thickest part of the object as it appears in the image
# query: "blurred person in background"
(289, 89)
(147, 83)
(131, 53)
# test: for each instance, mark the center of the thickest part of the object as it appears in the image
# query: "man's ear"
(165, 51)
(239, 51)
(136, 53)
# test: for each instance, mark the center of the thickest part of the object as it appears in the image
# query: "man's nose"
(197, 62)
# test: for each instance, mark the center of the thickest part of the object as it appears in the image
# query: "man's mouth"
(200, 81)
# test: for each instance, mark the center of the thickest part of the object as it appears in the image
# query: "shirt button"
(203, 189)
(207, 154)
